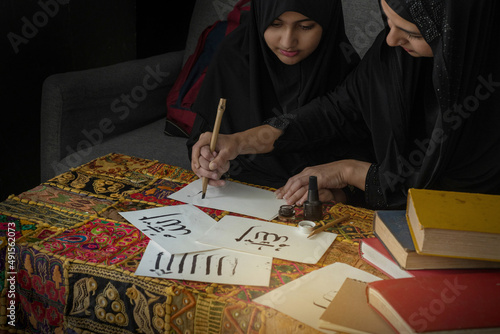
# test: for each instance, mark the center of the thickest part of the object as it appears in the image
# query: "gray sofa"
(122, 108)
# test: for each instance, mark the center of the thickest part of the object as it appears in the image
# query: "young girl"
(284, 54)
(427, 94)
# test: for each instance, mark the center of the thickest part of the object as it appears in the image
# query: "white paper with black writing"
(267, 239)
(220, 266)
(174, 228)
(233, 197)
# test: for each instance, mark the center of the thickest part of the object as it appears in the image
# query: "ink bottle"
(313, 208)
(286, 213)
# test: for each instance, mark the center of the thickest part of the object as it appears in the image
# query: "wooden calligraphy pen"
(213, 141)
(330, 224)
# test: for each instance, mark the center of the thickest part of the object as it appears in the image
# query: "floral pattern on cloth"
(359, 226)
(41, 213)
(164, 171)
(197, 312)
(98, 242)
(41, 292)
(75, 258)
(98, 186)
(159, 191)
(11, 231)
(113, 212)
(105, 301)
(116, 165)
(65, 200)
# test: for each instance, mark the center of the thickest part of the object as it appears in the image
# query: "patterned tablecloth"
(69, 258)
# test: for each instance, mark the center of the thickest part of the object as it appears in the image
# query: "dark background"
(68, 35)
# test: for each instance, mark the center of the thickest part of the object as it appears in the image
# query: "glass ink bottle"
(313, 208)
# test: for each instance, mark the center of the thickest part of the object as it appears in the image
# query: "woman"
(284, 54)
(427, 94)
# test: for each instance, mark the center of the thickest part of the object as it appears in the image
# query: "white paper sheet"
(220, 266)
(268, 239)
(233, 197)
(297, 298)
(174, 228)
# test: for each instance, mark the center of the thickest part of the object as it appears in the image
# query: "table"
(73, 262)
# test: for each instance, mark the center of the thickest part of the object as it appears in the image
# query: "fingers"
(213, 176)
(221, 159)
(206, 167)
(279, 193)
(206, 156)
(226, 150)
(201, 166)
(283, 192)
(202, 162)
(217, 183)
(203, 141)
(295, 190)
(338, 195)
(301, 195)
(326, 195)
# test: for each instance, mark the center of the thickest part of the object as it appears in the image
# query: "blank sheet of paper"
(233, 197)
(268, 239)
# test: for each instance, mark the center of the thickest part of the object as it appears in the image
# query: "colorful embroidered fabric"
(73, 257)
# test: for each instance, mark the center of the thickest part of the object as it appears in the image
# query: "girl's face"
(293, 37)
(405, 34)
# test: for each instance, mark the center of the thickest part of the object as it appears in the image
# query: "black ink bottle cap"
(286, 213)
(313, 208)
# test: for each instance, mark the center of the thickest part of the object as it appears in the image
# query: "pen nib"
(203, 196)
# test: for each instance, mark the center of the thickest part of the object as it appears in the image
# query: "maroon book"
(438, 302)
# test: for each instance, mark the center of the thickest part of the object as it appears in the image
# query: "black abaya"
(433, 122)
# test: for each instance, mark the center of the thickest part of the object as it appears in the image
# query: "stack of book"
(443, 256)
(439, 230)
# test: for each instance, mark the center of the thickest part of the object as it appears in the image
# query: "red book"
(439, 302)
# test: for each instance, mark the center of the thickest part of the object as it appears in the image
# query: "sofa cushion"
(147, 142)
(89, 107)
(205, 13)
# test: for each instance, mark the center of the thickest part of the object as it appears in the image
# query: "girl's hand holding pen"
(212, 165)
(252, 141)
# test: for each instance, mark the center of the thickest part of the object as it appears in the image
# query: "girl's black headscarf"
(258, 86)
(296, 85)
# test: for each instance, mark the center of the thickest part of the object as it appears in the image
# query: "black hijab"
(434, 121)
(463, 36)
(257, 85)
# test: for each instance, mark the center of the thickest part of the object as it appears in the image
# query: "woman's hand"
(214, 164)
(213, 175)
(332, 177)
(204, 163)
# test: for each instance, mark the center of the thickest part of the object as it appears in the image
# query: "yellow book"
(455, 224)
